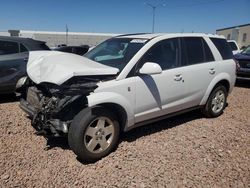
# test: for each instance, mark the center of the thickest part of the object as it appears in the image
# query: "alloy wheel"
(99, 135)
(218, 101)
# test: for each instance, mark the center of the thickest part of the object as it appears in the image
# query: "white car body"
(125, 82)
(143, 97)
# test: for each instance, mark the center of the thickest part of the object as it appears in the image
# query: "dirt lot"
(187, 150)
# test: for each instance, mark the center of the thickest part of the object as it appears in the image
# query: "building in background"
(239, 33)
(3, 33)
(54, 39)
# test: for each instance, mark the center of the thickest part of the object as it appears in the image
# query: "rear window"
(223, 47)
(7, 47)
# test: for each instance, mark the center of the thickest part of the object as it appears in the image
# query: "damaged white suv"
(126, 81)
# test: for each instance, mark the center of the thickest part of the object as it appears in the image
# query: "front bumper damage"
(41, 123)
(56, 88)
(51, 118)
(53, 109)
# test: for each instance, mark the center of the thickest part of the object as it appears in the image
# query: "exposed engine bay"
(57, 87)
(52, 107)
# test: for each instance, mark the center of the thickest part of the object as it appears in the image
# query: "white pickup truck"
(234, 46)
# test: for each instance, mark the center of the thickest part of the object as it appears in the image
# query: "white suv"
(126, 81)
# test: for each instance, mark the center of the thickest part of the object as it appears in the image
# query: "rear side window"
(207, 52)
(195, 50)
(7, 47)
(223, 47)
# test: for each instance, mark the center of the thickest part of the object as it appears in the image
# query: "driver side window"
(165, 53)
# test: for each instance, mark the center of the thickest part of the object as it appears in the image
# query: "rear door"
(13, 59)
(198, 69)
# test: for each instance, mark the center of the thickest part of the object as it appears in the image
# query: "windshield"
(116, 52)
(246, 51)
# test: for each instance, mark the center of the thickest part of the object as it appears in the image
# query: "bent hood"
(57, 67)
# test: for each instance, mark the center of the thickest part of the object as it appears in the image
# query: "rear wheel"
(93, 134)
(216, 102)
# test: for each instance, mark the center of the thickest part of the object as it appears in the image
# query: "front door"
(160, 94)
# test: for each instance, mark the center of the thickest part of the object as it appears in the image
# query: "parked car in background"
(79, 50)
(125, 82)
(14, 54)
(243, 59)
(234, 46)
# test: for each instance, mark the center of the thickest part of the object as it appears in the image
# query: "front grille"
(244, 64)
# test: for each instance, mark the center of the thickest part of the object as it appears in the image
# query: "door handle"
(178, 77)
(26, 59)
(212, 71)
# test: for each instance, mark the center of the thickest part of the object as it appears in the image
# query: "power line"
(195, 4)
(154, 6)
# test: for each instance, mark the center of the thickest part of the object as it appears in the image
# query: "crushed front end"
(56, 88)
(52, 107)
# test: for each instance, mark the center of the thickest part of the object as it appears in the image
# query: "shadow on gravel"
(135, 133)
(61, 142)
(243, 83)
(158, 126)
(6, 98)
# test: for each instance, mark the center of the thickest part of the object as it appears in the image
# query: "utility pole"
(154, 9)
(67, 30)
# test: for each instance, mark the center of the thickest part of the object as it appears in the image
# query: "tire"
(216, 102)
(93, 134)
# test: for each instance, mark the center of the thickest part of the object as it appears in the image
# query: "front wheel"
(216, 102)
(93, 134)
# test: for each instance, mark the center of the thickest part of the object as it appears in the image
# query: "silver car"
(14, 53)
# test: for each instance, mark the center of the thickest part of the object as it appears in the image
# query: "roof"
(233, 27)
(69, 33)
(154, 35)
(31, 44)
(19, 39)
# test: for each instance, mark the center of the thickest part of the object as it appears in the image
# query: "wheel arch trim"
(110, 98)
(223, 77)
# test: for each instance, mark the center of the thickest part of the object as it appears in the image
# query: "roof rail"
(131, 34)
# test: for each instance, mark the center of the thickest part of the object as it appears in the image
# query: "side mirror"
(150, 68)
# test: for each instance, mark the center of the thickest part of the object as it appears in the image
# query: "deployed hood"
(57, 67)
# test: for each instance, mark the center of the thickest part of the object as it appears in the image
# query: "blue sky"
(123, 16)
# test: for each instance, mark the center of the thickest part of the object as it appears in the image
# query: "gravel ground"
(187, 150)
